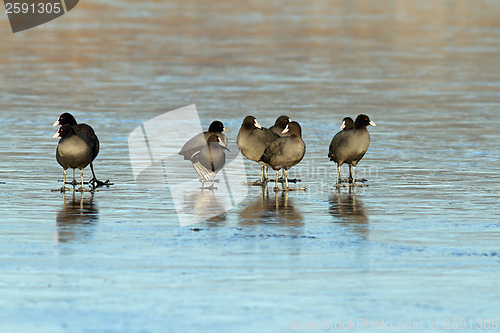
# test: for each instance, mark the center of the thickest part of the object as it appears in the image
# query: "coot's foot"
(95, 183)
(280, 180)
(202, 180)
(349, 180)
(72, 183)
(62, 189)
(351, 185)
(290, 188)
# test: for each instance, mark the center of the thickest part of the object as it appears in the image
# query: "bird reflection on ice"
(271, 208)
(77, 218)
(201, 204)
(347, 209)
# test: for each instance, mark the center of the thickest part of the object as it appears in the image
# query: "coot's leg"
(262, 180)
(63, 188)
(94, 181)
(213, 181)
(338, 174)
(82, 189)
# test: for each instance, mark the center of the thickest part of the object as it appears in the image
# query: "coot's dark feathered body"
(285, 152)
(253, 140)
(88, 132)
(73, 151)
(200, 140)
(351, 145)
(210, 159)
(347, 124)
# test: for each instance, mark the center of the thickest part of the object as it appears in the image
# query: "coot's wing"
(334, 144)
(274, 149)
(203, 172)
(267, 136)
(193, 145)
(88, 131)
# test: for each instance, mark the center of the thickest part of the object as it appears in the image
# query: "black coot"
(73, 151)
(252, 140)
(350, 146)
(200, 140)
(210, 159)
(88, 131)
(285, 152)
(279, 125)
(347, 124)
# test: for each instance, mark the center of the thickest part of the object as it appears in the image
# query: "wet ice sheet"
(419, 243)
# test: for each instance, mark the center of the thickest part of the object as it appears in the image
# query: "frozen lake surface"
(420, 244)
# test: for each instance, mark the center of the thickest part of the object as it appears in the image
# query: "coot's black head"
(65, 131)
(217, 127)
(362, 121)
(282, 121)
(347, 123)
(250, 122)
(215, 140)
(65, 119)
(293, 128)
